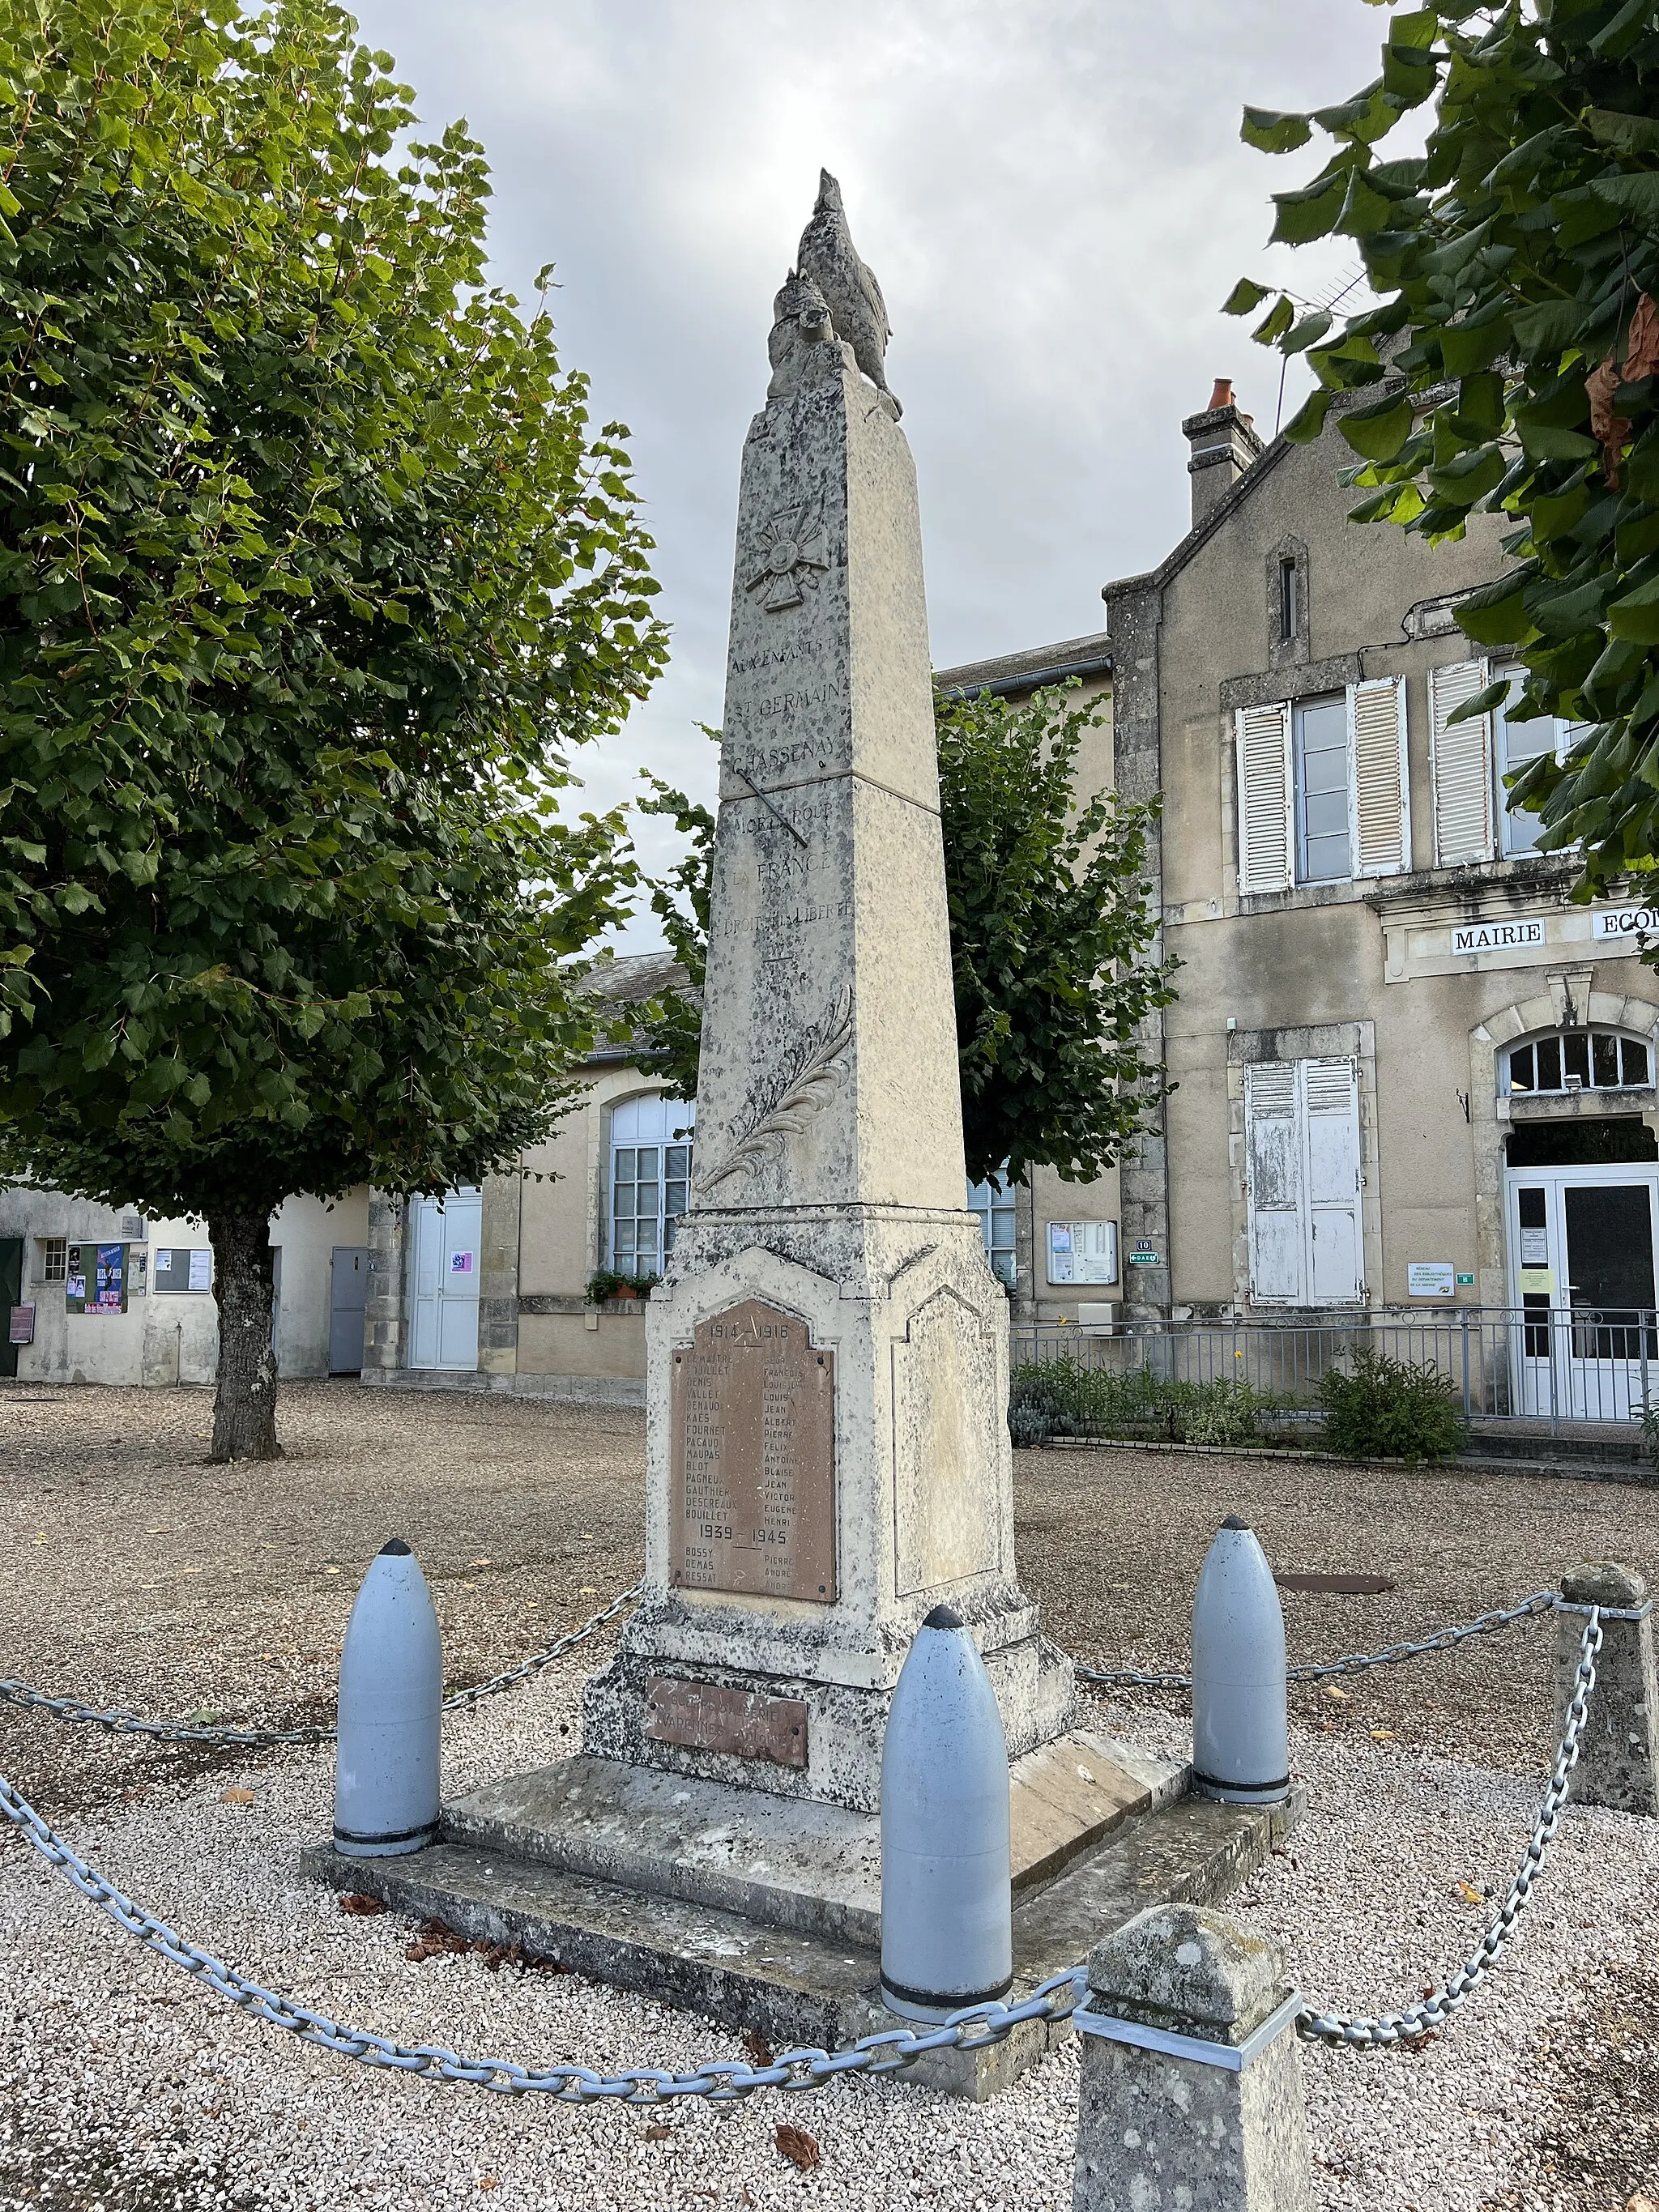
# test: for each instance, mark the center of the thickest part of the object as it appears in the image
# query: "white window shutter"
(1336, 1245)
(1382, 784)
(1265, 843)
(1274, 1182)
(1460, 769)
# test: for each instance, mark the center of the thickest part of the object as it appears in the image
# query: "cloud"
(1053, 194)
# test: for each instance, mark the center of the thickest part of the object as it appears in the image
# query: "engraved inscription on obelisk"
(752, 1500)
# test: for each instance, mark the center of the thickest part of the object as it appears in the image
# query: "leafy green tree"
(311, 572)
(1051, 934)
(672, 1033)
(1515, 357)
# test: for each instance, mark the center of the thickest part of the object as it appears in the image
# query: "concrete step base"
(797, 1987)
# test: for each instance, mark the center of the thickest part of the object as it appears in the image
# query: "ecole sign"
(1625, 921)
(1618, 925)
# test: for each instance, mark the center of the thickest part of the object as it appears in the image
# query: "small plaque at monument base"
(752, 1501)
(710, 1717)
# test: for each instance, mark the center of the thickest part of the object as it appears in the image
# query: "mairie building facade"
(1409, 1071)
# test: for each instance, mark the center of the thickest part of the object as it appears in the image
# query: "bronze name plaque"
(710, 1717)
(752, 1497)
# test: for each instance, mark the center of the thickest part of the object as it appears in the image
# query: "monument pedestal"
(764, 1914)
(826, 1384)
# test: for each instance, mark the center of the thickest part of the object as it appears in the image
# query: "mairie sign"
(1625, 925)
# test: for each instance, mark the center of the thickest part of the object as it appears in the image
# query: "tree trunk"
(245, 1401)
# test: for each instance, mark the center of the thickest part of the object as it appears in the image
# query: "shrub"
(1058, 1397)
(1227, 1411)
(1030, 1424)
(608, 1284)
(1384, 1408)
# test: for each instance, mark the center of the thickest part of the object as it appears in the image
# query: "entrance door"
(444, 1275)
(348, 1299)
(1582, 1242)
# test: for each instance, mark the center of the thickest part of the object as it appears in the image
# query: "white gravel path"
(120, 2073)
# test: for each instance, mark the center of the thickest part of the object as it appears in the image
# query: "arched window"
(1578, 1060)
(650, 1180)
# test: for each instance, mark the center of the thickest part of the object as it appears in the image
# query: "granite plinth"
(795, 1986)
(916, 1480)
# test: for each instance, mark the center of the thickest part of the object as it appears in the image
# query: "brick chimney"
(1224, 444)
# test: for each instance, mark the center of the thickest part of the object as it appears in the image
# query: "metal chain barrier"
(722, 2081)
(16, 1692)
(1369, 2033)
(13, 1691)
(1443, 1639)
(526, 1667)
(725, 2081)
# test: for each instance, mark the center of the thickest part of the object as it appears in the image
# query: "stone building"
(1409, 1071)
(92, 1293)
(488, 1289)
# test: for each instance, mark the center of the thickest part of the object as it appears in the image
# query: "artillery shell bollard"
(1619, 1751)
(1189, 2093)
(1241, 1737)
(946, 1916)
(391, 1686)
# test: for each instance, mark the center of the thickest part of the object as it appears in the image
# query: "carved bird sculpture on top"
(828, 256)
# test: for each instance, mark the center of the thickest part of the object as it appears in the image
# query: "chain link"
(529, 1667)
(17, 1693)
(1370, 2033)
(13, 1691)
(1443, 1639)
(723, 2080)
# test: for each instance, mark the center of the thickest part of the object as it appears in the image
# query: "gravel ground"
(135, 1575)
(132, 1572)
(1112, 1540)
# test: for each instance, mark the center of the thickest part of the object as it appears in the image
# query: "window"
(1515, 745)
(52, 1261)
(1323, 791)
(1580, 1060)
(994, 1202)
(650, 1181)
(1471, 760)
(1303, 1182)
(1322, 852)
(1290, 611)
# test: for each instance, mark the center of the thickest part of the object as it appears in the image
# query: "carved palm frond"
(807, 1091)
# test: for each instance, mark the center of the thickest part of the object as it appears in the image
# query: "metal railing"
(1553, 1365)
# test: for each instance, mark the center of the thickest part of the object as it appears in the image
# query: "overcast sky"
(1052, 192)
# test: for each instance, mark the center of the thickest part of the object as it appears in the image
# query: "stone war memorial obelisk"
(827, 1361)
(828, 1450)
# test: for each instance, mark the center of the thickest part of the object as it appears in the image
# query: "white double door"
(1582, 1244)
(443, 1275)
